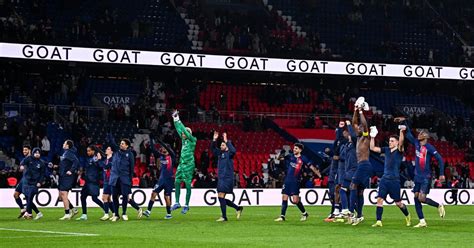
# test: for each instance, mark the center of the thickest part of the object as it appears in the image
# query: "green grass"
(256, 229)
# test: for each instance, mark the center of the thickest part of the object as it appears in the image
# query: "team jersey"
(187, 145)
(294, 167)
(106, 164)
(424, 153)
(392, 163)
(92, 170)
(166, 168)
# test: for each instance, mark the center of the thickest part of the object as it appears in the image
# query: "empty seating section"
(119, 129)
(386, 100)
(403, 32)
(252, 94)
(107, 87)
(160, 26)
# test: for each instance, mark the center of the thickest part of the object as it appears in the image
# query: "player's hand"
(216, 135)
(402, 127)
(359, 102)
(373, 131)
(224, 137)
(399, 119)
(365, 106)
(99, 157)
(68, 173)
(341, 124)
(348, 123)
(175, 115)
(38, 185)
(22, 168)
(442, 179)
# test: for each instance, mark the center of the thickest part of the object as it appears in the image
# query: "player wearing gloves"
(390, 182)
(360, 180)
(186, 166)
(423, 172)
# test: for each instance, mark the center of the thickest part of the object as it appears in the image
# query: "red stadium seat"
(12, 181)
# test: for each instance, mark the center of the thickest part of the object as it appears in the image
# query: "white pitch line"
(51, 232)
(38, 236)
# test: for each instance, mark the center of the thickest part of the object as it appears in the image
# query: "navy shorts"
(331, 189)
(349, 175)
(167, 186)
(225, 186)
(346, 184)
(19, 187)
(121, 188)
(340, 172)
(107, 189)
(333, 170)
(29, 190)
(66, 183)
(90, 189)
(290, 188)
(389, 187)
(422, 187)
(363, 173)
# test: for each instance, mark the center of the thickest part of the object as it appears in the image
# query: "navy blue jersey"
(166, 161)
(294, 167)
(69, 162)
(225, 163)
(106, 165)
(392, 163)
(338, 141)
(166, 168)
(351, 154)
(424, 153)
(34, 171)
(92, 170)
(123, 165)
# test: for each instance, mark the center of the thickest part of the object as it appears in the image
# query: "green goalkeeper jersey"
(187, 145)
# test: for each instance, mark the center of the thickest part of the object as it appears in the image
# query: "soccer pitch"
(256, 228)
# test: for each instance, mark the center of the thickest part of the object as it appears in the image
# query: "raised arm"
(111, 140)
(363, 123)
(337, 141)
(373, 147)
(215, 151)
(152, 147)
(352, 133)
(438, 157)
(409, 134)
(401, 139)
(355, 119)
(373, 134)
(166, 146)
(231, 147)
(180, 128)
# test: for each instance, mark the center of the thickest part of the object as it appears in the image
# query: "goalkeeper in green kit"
(186, 166)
